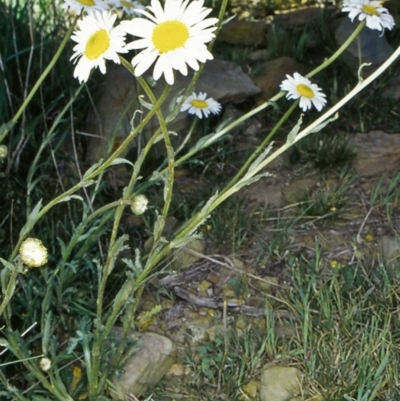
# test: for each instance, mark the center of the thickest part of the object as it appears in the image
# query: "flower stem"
(89, 177)
(339, 51)
(101, 333)
(195, 220)
(264, 105)
(9, 291)
(261, 147)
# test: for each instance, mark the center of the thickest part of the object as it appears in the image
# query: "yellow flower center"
(97, 44)
(87, 2)
(199, 104)
(169, 35)
(305, 91)
(127, 4)
(370, 10)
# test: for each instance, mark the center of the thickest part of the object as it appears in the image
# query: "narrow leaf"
(295, 130)
(69, 197)
(93, 168)
(260, 158)
(324, 124)
(145, 104)
(7, 265)
(120, 160)
(31, 218)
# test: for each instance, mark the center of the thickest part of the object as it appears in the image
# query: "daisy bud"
(3, 151)
(33, 253)
(139, 204)
(45, 364)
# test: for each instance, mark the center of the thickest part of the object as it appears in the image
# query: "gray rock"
(116, 101)
(146, 367)
(389, 249)
(280, 383)
(299, 19)
(377, 153)
(299, 189)
(273, 72)
(187, 255)
(241, 32)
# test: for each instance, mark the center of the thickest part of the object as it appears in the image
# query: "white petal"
(139, 27)
(143, 63)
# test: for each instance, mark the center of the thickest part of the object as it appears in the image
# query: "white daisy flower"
(176, 35)
(199, 105)
(129, 7)
(97, 41)
(33, 253)
(376, 17)
(301, 87)
(86, 5)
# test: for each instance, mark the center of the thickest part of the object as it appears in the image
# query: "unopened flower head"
(139, 204)
(301, 87)
(175, 36)
(97, 41)
(45, 364)
(33, 253)
(200, 105)
(3, 151)
(375, 16)
(129, 7)
(87, 5)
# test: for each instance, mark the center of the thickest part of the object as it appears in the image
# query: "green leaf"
(34, 182)
(295, 130)
(5, 128)
(149, 314)
(93, 168)
(46, 332)
(158, 226)
(87, 183)
(180, 242)
(204, 213)
(120, 160)
(324, 124)
(244, 182)
(145, 104)
(261, 158)
(235, 284)
(135, 266)
(229, 19)
(115, 250)
(62, 246)
(157, 176)
(161, 136)
(69, 197)
(32, 218)
(87, 234)
(7, 265)
(133, 119)
(360, 78)
(200, 143)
